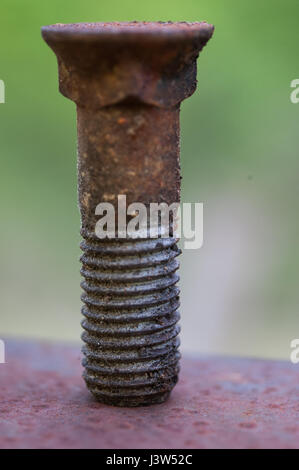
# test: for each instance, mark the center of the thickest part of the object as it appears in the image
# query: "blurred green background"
(239, 155)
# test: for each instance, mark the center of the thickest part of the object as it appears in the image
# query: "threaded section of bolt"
(130, 320)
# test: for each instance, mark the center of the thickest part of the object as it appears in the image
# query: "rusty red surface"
(218, 403)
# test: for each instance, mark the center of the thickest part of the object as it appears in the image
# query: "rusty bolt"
(128, 80)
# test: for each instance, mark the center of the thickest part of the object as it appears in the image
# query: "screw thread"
(130, 320)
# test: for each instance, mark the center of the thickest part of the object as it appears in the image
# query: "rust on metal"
(218, 403)
(128, 80)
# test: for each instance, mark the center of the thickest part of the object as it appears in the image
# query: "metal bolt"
(128, 80)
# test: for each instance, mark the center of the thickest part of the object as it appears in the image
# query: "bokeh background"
(239, 155)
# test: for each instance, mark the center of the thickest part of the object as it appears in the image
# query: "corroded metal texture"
(218, 403)
(131, 316)
(128, 80)
(130, 150)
